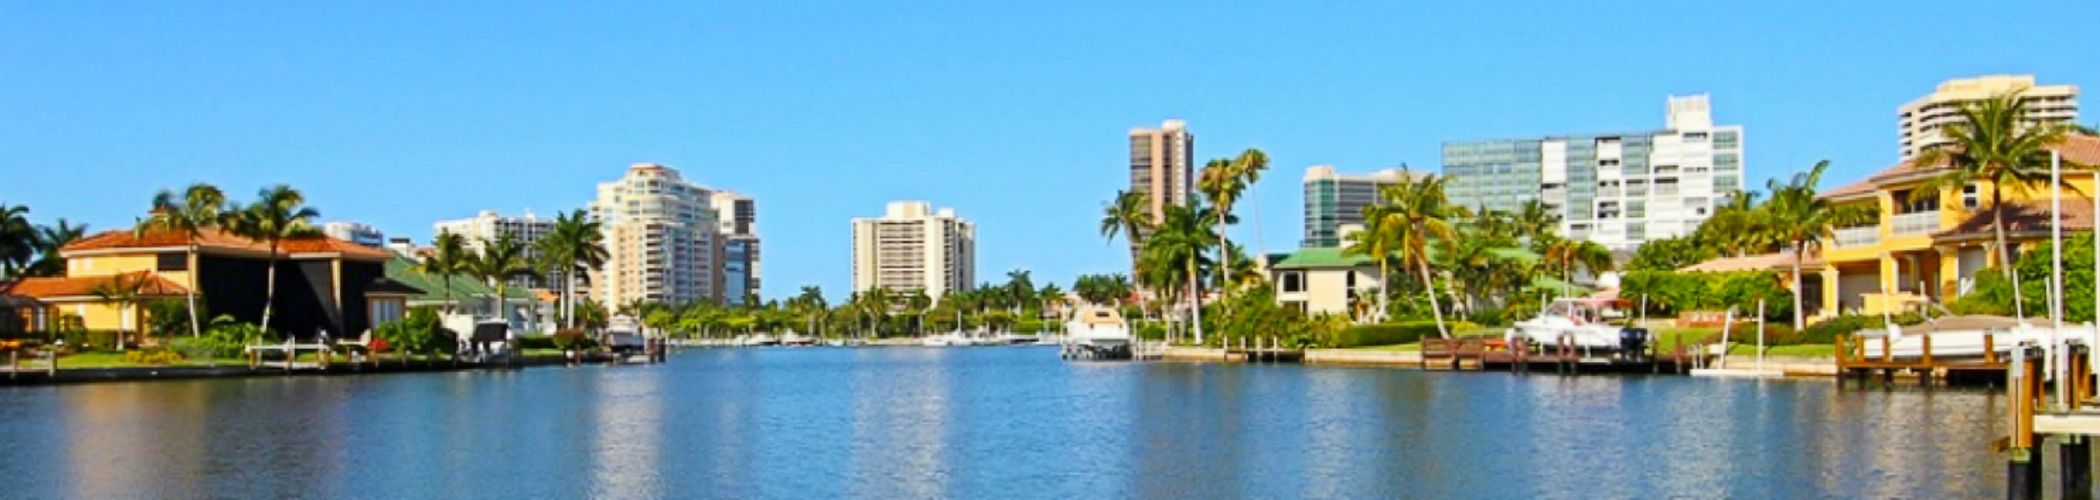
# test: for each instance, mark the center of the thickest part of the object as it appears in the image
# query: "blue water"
(990, 423)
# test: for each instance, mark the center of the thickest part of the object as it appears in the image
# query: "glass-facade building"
(1333, 201)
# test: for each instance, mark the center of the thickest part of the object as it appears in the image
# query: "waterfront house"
(1321, 280)
(323, 284)
(469, 298)
(1923, 249)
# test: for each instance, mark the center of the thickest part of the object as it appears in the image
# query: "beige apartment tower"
(662, 236)
(1919, 121)
(1162, 168)
(911, 248)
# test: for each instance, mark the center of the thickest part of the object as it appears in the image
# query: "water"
(990, 423)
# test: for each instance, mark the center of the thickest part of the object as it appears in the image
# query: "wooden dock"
(1853, 362)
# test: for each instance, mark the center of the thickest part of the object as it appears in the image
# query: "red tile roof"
(213, 238)
(44, 288)
(2076, 148)
(2025, 218)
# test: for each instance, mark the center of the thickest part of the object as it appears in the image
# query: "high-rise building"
(354, 232)
(1919, 122)
(738, 217)
(1161, 167)
(488, 226)
(912, 247)
(661, 236)
(1334, 200)
(1617, 189)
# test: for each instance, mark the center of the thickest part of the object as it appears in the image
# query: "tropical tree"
(1566, 256)
(1417, 212)
(1993, 142)
(1534, 221)
(1128, 215)
(576, 244)
(448, 258)
(1019, 291)
(1737, 228)
(1796, 216)
(200, 207)
(49, 239)
(279, 213)
(18, 239)
(124, 291)
(1375, 241)
(917, 304)
(1173, 255)
(498, 262)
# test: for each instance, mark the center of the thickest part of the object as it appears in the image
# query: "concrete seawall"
(1792, 366)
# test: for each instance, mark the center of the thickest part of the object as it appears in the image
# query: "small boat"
(1096, 332)
(793, 339)
(1010, 338)
(945, 340)
(1580, 323)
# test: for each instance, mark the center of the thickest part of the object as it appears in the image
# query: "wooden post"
(1990, 350)
(1887, 355)
(2023, 468)
(1925, 377)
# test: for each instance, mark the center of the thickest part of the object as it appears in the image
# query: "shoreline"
(1791, 366)
(71, 376)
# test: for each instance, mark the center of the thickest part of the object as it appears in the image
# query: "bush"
(85, 339)
(1151, 330)
(169, 317)
(159, 357)
(1490, 317)
(419, 331)
(570, 338)
(1385, 334)
(1673, 292)
(228, 338)
(541, 342)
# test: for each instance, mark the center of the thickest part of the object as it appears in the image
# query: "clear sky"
(401, 114)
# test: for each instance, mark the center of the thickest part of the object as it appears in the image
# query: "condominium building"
(738, 217)
(1920, 121)
(662, 238)
(912, 247)
(488, 226)
(1617, 189)
(1161, 167)
(1333, 200)
(354, 232)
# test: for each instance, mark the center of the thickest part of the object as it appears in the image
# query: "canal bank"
(1791, 366)
(64, 376)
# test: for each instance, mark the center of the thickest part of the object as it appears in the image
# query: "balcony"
(1855, 237)
(1915, 224)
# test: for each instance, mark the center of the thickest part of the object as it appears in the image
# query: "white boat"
(954, 339)
(1580, 323)
(1010, 338)
(1096, 332)
(1960, 337)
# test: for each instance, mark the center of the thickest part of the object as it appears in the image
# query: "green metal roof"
(403, 270)
(1321, 258)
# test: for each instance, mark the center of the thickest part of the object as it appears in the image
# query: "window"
(1969, 198)
(171, 261)
(1293, 282)
(1695, 137)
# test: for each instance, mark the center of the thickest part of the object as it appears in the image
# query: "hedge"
(1384, 334)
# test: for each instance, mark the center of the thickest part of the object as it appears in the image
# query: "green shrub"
(87, 339)
(569, 338)
(196, 348)
(1151, 330)
(541, 342)
(1490, 317)
(158, 357)
(169, 317)
(419, 331)
(1385, 334)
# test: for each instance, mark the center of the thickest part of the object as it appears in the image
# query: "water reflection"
(627, 447)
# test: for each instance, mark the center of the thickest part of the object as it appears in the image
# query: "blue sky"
(401, 114)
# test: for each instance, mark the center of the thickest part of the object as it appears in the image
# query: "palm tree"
(1418, 214)
(1533, 221)
(812, 301)
(1377, 241)
(448, 258)
(279, 213)
(576, 243)
(1993, 142)
(1222, 184)
(200, 207)
(1176, 249)
(1129, 215)
(1019, 290)
(1737, 228)
(917, 304)
(1566, 255)
(498, 262)
(1800, 219)
(48, 241)
(18, 239)
(124, 291)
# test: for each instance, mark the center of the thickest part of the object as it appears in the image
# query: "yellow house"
(1926, 248)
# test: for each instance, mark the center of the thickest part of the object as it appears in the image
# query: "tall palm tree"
(577, 243)
(1375, 240)
(1737, 228)
(1993, 142)
(1419, 214)
(1176, 247)
(1533, 220)
(917, 304)
(1797, 217)
(812, 299)
(1565, 256)
(1250, 165)
(200, 207)
(498, 262)
(1130, 215)
(448, 258)
(124, 291)
(279, 213)
(18, 239)
(1019, 290)
(1221, 183)
(48, 241)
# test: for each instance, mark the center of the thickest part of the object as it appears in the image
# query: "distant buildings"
(738, 216)
(354, 232)
(1617, 189)
(1334, 200)
(912, 247)
(1919, 121)
(1161, 166)
(488, 226)
(663, 237)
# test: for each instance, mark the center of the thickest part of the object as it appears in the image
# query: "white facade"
(355, 232)
(912, 248)
(488, 226)
(1919, 122)
(662, 237)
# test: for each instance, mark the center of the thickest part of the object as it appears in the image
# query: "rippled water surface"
(990, 423)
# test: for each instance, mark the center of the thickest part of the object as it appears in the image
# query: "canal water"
(991, 422)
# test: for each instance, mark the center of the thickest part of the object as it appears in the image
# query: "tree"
(18, 239)
(1375, 241)
(48, 241)
(1668, 254)
(1566, 256)
(1417, 213)
(1993, 142)
(1174, 255)
(1019, 291)
(1737, 228)
(498, 262)
(1130, 215)
(200, 207)
(1799, 218)
(279, 213)
(1533, 221)
(576, 243)
(124, 291)
(448, 257)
